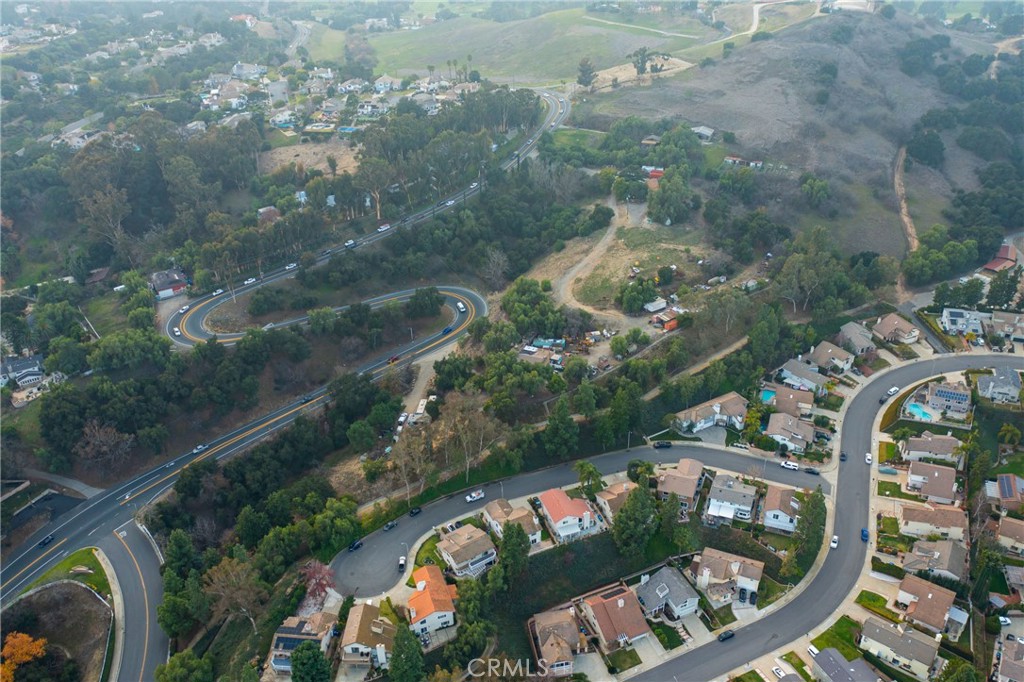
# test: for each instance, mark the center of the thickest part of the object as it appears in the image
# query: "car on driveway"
(743, 595)
(177, 332)
(389, 525)
(251, 280)
(291, 266)
(662, 444)
(727, 634)
(753, 598)
(1003, 620)
(777, 671)
(356, 544)
(835, 542)
(218, 292)
(183, 310)
(475, 495)
(415, 511)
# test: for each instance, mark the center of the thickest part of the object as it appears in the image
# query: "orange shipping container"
(671, 324)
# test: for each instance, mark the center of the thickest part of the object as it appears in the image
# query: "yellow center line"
(145, 604)
(34, 562)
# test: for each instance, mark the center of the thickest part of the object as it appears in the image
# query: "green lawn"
(624, 659)
(97, 580)
(1014, 465)
(324, 43)
(429, 550)
(997, 583)
(779, 542)
(725, 615)
(769, 591)
(669, 637)
(574, 137)
(387, 610)
(887, 452)
(889, 526)
(876, 603)
(798, 664)
(26, 421)
(104, 312)
(276, 138)
(891, 489)
(749, 676)
(843, 636)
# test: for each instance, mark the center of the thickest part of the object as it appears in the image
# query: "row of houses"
(1006, 324)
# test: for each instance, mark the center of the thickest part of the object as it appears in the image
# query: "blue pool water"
(767, 395)
(919, 412)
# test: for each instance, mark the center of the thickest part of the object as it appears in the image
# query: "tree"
(514, 552)
(332, 164)
(958, 670)
(590, 477)
(309, 664)
(561, 435)
(634, 525)
(669, 515)
(374, 176)
(639, 470)
(102, 445)
(684, 539)
(319, 578)
(19, 649)
(234, 587)
(639, 58)
(587, 73)
(185, 667)
(180, 555)
(585, 400)
(361, 435)
(902, 435)
(251, 526)
(1009, 434)
(406, 657)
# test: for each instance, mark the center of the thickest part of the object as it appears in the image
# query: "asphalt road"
(821, 598)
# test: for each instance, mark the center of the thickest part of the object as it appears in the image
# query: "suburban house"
(368, 638)
(1006, 257)
(930, 606)
(685, 481)
(567, 518)
(725, 410)
(615, 615)
(283, 119)
(704, 133)
(857, 338)
(800, 375)
(386, 84)
(1011, 535)
(1006, 492)
(781, 509)
(499, 512)
(468, 551)
(22, 371)
(1011, 665)
(1008, 325)
(946, 558)
(796, 434)
(791, 401)
(902, 647)
(610, 500)
(935, 482)
(248, 72)
(948, 524)
(894, 329)
(714, 567)
(557, 640)
(959, 321)
(953, 399)
(931, 446)
(352, 85)
(1001, 387)
(318, 628)
(730, 499)
(168, 283)
(831, 666)
(668, 592)
(432, 605)
(831, 357)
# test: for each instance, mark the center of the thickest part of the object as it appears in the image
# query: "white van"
(792, 466)
(893, 391)
(461, 308)
(813, 651)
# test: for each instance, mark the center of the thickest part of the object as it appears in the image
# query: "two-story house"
(930, 606)
(1006, 492)
(959, 321)
(901, 647)
(932, 446)
(569, 519)
(1011, 665)
(368, 639)
(948, 523)
(953, 399)
(432, 605)
(788, 400)
(831, 357)
(730, 499)
(558, 639)
(934, 482)
(1002, 386)
(468, 551)
(781, 509)
(725, 410)
(714, 567)
(22, 371)
(615, 615)
(1011, 535)
(499, 512)
(856, 337)
(317, 628)
(685, 481)
(944, 558)
(796, 434)
(831, 666)
(800, 375)
(668, 592)
(610, 500)
(894, 329)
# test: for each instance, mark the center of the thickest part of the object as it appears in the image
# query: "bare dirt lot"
(312, 155)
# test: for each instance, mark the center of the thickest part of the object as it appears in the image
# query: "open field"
(324, 42)
(310, 154)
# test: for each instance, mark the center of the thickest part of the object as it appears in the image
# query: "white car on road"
(177, 332)
(251, 280)
(835, 542)
(475, 495)
(218, 292)
(183, 310)
(867, 458)
(291, 266)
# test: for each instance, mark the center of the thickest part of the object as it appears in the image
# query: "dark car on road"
(356, 544)
(728, 634)
(446, 330)
(45, 541)
(812, 470)
(662, 444)
(415, 511)
(389, 525)
(842, 456)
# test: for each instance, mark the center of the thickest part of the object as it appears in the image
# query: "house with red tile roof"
(616, 616)
(569, 519)
(432, 605)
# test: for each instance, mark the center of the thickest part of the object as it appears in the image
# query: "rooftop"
(907, 642)
(618, 613)
(559, 505)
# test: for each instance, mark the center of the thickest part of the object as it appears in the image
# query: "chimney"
(644, 578)
(621, 602)
(717, 407)
(376, 626)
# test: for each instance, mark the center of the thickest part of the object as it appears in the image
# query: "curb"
(118, 600)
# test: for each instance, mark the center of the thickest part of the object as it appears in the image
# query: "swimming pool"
(919, 412)
(767, 395)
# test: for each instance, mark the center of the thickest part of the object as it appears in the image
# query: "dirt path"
(563, 286)
(909, 230)
(642, 28)
(693, 369)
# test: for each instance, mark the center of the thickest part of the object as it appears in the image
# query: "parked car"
(842, 456)
(475, 495)
(389, 525)
(415, 511)
(402, 418)
(356, 544)
(867, 458)
(251, 280)
(777, 671)
(662, 444)
(864, 535)
(291, 266)
(753, 599)
(835, 542)
(812, 471)
(727, 634)
(1003, 620)
(743, 595)
(893, 391)
(401, 564)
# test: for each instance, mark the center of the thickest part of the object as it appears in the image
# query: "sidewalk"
(118, 603)
(83, 489)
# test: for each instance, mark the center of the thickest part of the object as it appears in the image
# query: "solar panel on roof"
(1005, 487)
